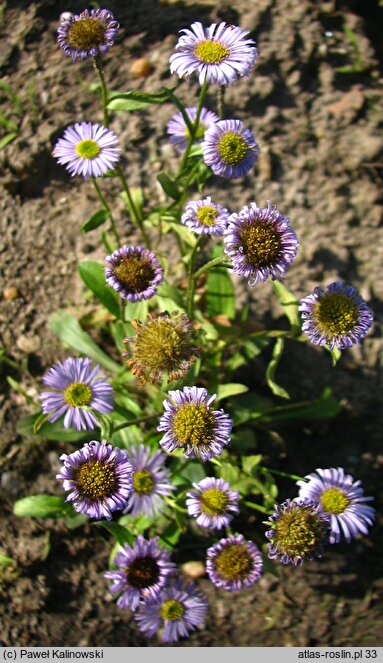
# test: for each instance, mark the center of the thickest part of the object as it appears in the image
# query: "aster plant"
(165, 381)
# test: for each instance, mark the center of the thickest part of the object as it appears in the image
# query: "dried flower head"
(164, 345)
(86, 35)
(218, 54)
(79, 388)
(179, 609)
(212, 503)
(342, 498)
(178, 131)
(149, 482)
(229, 148)
(298, 532)
(134, 272)
(144, 570)
(205, 217)
(234, 563)
(87, 149)
(191, 424)
(337, 316)
(99, 478)
(260, 242)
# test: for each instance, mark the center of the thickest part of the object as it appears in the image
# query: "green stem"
(104, 92)
(192, 281)
(137, 217)
(136, 420)
(195, 126)
(256, 507)
(222, 261)
(295, 477)
(107, 209)
(220, 100)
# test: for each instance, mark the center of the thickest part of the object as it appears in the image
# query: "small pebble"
(28, 344)
(140, 68)
(10, 293)
(194, 570)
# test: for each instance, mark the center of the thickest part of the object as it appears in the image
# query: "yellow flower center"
(232, 148)
(336, 313)
(334, 501)
(88, 149)
(211, 52)
(297, 532)
(96, 479)
(143, 482)
(143, 572)
(261, 244)
(78, 394)
(234, 562)
(214, 502)
(193, 424)
(86, 33)
(207, 215)
(171, 610)
(134, 273)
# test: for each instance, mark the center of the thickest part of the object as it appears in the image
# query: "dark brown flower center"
(261, 244)
(298, 531)
(336, 313)
(86, 33)
(234, 562)
(96, 479)
(143, 572)
(134, 273)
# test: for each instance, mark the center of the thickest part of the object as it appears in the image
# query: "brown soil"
(319, 129)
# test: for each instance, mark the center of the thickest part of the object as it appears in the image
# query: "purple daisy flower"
(87, 149)
(179, 609)
(212, 503)
(79, 388)
(260, 242)
(234, 563)
(205, 217)
(144, 570)
(190, 423)
(342, 498)
(298, 532)
(134, 273)
(150, 482)
(99, 478)
(178, 131)
(87, 34)
(229, 148)
(337, 316)
(218, 54)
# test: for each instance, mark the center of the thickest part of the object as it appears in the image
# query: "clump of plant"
(164, 435)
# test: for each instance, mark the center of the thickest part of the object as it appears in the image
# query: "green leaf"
(67, 328)
(335, 355)
(169, 186)
(6, 562)
(182, 231)
(167, 291)
(95, 221)
(230, 389)
(137, 196)
(220, 296)
(40, 506)
(250, 463)
(171, 535)
(93, 275)
(272, 367)
(230, 473)
(135, 100)
(119, 533)
(7, 139)
(290, 305)
(31, 425)
(323, 408)
(193, 471)
(136, 310)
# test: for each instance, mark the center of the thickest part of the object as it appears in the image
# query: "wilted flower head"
(229, 148)
(298, 532)
(87, 149)
(99, 478)
(179, 609)
(342, 498)
(337, 316)
(179, 132)
(212, 503)
(234, 563)
(205, 217)
(149, 481)
(79, 388)
(144, 570)
(134, 273)
(191, 424)
(218, 54)
(87, 34)
(260, 242)
(164, 344)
